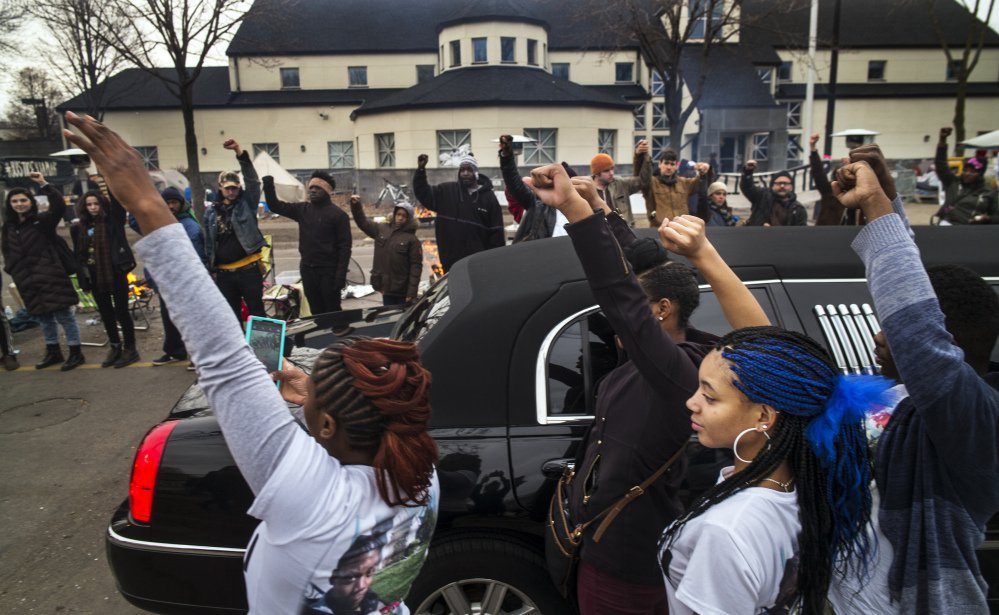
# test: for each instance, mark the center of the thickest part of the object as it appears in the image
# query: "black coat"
(763, 204)
(122, 258)
(31, 252)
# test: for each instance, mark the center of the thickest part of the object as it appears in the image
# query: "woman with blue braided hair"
(768, 536)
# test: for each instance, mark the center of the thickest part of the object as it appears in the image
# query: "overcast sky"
(37, 32)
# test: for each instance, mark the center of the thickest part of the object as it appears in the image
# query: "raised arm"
(513, 181)
(684, 235)
(952, 399)
(944, 173)
(367, 227)
(425, 193)
(818, 169)
(254, 419)
(57, 204)
(747, 183)
(117, 210)
(276, 205)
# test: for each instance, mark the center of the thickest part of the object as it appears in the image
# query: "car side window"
(579, 357)
(708, 316)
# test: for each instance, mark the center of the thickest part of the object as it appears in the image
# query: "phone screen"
(266, 338)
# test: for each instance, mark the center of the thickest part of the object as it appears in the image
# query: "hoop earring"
(735, 445)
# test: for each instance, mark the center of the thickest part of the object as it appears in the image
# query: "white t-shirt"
(560, 222)
(738, 557)
(314, 511)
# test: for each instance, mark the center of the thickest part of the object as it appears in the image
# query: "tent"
(989, 140)
(287, 186)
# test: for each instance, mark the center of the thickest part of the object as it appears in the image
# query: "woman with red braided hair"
(353, 496)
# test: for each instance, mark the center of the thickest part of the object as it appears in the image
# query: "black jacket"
(398, 262)
(31, 252)
(641, 414)
(466, 223)
(763, 204)
(323, 231)
(122, 257)
(539, 219)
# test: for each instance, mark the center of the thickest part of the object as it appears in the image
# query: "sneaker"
(168, 359)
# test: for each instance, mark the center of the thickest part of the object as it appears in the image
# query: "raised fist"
(945, 132)
(355, 199)
(231, 144)
(37, 177)
(751, 165)
(506, 145)
(421, 161)
(642, 147)
(813, 141)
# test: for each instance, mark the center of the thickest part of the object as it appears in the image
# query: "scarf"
(97, 248)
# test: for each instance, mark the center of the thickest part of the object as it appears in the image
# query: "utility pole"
(809, 111)
(831, 88)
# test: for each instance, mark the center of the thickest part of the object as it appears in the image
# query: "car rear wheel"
(483, 574)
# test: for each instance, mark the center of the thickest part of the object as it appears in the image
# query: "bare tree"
(33, 97)
(185, 31)
(963, 59)
(77, 53)
(11, 19)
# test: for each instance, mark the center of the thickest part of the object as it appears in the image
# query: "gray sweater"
(936, 465)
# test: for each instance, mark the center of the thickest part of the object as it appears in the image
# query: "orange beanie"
(601, 163)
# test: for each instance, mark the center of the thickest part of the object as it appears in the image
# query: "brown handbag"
(563, 538)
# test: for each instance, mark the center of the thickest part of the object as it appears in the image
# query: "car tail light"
(144, 471)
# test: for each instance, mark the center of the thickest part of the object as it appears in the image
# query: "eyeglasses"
(782, 183)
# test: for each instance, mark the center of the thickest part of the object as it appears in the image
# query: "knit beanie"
(717, 187)
(172, 194)
(600, 163)
(779, 174)
(469, 160)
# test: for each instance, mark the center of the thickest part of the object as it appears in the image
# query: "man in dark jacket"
(469, 219)
(398, 262)
(232, 238)
(967, 199)
(323, 240)
(777, 206)
(539, 219)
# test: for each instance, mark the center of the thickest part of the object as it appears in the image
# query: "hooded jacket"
(244, 214)
(398, 260)
(31, 253)
(764, 201)
(962, 203)
(466, 222)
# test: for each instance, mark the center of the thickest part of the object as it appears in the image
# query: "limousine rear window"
(427, 312)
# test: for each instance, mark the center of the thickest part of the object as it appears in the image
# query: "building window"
(358, 76)
(639, 112)
(624, 72)
(606, 140)
(450, 142)
(385, 145)
(794, 115)
(876, 70)
(784, 71)
(658, 145)
(766, 75)
(699, 15)
(761, 146)
(794, 151)
(273, 150)
(479, 53)
(953, 70)
(659, 119)
(543, 149)
(150, 156)
(341, 154)
(658, 88)
(532, 52)
(289, 79)
(455, 53)
(560, 70)
(424, 72)
(508, 49)
(440, 58)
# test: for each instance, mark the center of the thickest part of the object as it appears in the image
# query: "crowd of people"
(814, 510)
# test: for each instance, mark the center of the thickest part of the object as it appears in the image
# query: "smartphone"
(266, 337)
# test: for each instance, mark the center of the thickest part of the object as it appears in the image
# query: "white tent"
(989, 140)
(287, 186)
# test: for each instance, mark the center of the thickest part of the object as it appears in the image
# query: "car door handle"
(554, 468)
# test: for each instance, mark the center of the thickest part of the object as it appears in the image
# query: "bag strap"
(610, 513)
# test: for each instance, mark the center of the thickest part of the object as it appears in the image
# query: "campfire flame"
(431, 258)
(137, 288)
(423, 212)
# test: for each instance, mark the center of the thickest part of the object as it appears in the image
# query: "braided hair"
(820, 435)
(379, 394)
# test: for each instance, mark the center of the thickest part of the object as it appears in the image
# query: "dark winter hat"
(326, 177)
(172, 194)
(774, 177)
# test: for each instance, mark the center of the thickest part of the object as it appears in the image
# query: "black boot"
(114, 353)
(52, 356)
(128, 356)
(74, 360)
(10, 362)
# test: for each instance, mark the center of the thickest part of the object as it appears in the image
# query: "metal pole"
(833, 72)
(809, 111)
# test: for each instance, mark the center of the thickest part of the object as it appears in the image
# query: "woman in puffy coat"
(106, 258)
(39, 261)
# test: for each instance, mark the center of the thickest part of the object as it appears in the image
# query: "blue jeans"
(65, 317)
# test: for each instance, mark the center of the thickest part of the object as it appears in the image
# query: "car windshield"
(425, 315)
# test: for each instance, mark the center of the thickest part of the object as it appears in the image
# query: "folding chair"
(140, 297)
(86, 305)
